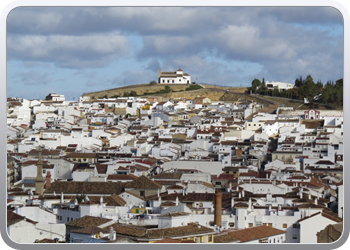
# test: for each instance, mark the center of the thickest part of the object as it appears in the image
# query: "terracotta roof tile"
(88, 221)
(255, 233)
(143, 183)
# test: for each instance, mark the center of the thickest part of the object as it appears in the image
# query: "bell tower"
(159, 74)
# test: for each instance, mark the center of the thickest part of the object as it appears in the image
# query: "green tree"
(133, 93)
(80, 197)
(256, 84)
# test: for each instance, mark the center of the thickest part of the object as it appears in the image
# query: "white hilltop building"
(281, 86)
(177, 77)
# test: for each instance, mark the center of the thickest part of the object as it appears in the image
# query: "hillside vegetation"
(168, 91)
(140, 89)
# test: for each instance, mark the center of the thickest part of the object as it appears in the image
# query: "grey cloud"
(139, 20)
(132, 77)
(153, 65)
(181, 36)
(35, 78)
(305, 15)
(68, 51)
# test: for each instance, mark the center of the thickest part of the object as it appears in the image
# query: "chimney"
(112, 234)
(232, 202)
(249, 205)
(39, 180)
(218, 206)
(243, 193)
(309, 195)
(177, 201)
(101, 200)
(48, 180)
(158, 193)
(316, 201)
(61, 197)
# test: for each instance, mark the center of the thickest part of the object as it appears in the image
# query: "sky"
(74, 50)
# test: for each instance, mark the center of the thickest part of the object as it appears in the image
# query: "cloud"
(153, 65)
(133, 77)
(35, 78)
(212, 44)
(68, 51)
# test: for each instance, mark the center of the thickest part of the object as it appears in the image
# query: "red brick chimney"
(218, 207)
(48, 180)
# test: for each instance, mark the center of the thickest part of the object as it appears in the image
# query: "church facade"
(177, 77)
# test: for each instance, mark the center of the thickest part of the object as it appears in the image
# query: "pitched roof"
(160, 233)
(90, 230)
(168, 240)
(75, 187)
(165, 175)
(113, 200)
(225, 238)
(122, 177)
(88, 221)
(143, 183)
(13, 218)
(255, 233)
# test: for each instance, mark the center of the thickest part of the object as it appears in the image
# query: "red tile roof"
(255, 233)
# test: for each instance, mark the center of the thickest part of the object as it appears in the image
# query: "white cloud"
(68, 51)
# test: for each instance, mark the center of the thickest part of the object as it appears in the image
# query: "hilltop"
(215, 93)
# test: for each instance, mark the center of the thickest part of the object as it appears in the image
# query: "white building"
(309, 226)
(177, 77)
(281, 86)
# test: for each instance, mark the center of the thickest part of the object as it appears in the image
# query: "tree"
(152, 82)
(263, 89)
(256, 84)
(80, 197)
(298, 82)
(133, 93)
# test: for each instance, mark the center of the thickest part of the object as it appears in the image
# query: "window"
(142, 193)
(250, 224)
(295, 237)
(294, 225)
(218, 183)
(284, 225)
(270, 224)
